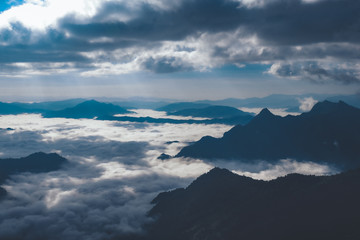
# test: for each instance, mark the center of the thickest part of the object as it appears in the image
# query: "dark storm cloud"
(290, 22)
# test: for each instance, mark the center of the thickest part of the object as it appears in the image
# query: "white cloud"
(306, 104)
(284, 167)
(113, 174)
(39, 15)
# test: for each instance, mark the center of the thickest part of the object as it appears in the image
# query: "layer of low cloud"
(300, 38)
(105, 190)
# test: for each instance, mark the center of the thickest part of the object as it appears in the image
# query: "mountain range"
(329, 133)
(212, 112)
(289, 102)
(222, 205)
(40, 107)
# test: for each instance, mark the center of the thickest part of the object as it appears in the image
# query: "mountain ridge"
(328, 133)
(223, 205)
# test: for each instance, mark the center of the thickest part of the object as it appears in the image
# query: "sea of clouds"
(105, 190)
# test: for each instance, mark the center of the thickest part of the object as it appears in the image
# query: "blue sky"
(7, 4)
(189, 49)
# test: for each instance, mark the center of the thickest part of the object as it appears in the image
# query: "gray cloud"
(165, 65)
(314, 72)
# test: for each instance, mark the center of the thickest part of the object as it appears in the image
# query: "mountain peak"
(265, 111)
(216, 171)
(265, 114)
(218, 176)
(92, 101)
(327, 107)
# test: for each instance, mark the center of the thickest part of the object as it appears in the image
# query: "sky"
(185, 49)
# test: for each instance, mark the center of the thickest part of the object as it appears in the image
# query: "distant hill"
(211, 112)
(290, 102)
(222, 205)
(330, 133)
(51, 105)
(174, 107)
(40, 107)
(138, 104)
(35, 163)
(88, 109)
(229, 121)
(218, 114)
(10, 108)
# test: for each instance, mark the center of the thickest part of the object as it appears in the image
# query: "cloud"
(307, 104)
(317, 72)
(268, 171)
(165, 65)
(106, 189)
(113, 174)
(115, 37)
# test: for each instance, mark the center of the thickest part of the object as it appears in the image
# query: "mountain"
(35, 163)
(88, 109)
(10, 108)
(222, 205)
(212, 112)
(138, 104)
(330, 133)
(229, 121)
(40, 107)
(289, 102)
(50, 105)
(174, 107)
(271, 101)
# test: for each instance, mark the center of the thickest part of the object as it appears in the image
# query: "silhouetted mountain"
(51, 105)
(330, 133)
(229, 121)
(174, 107)
(35, 163)
(41, 107)
(11, 108)
(88, 109)
(164, 156)
(222, 205)
(138, 104)
(212, 112)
